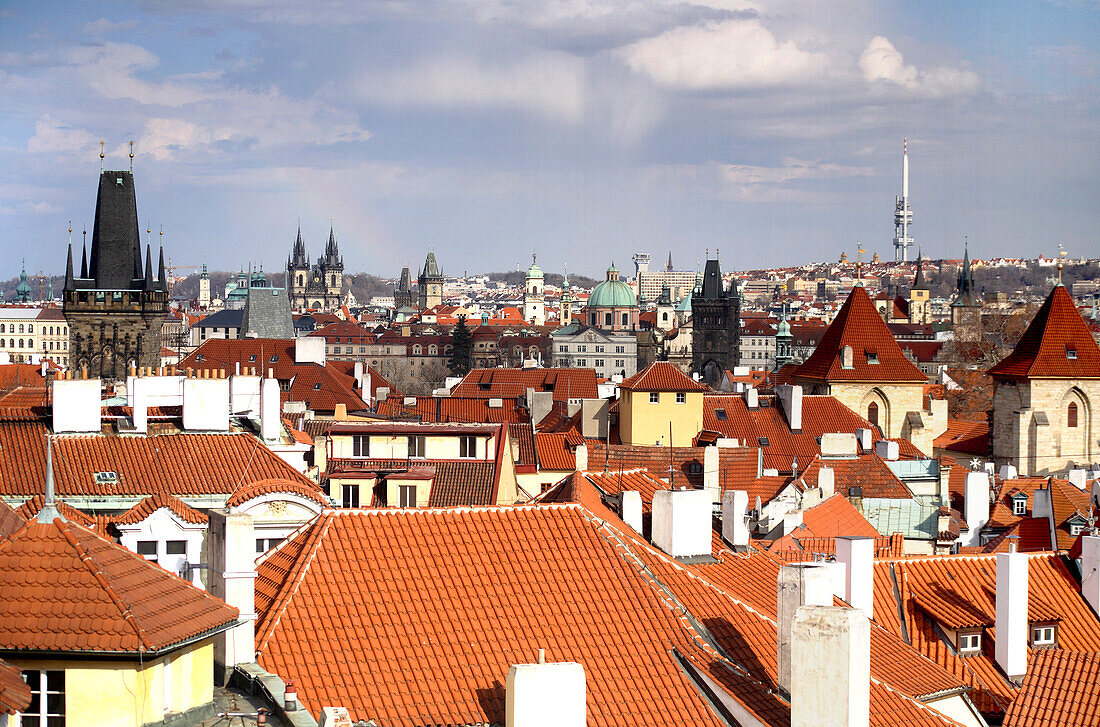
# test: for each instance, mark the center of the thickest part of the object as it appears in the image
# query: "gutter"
(118, 655)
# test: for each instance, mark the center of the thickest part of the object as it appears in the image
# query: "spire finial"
(131, 156)
(49, 511)
(101, 155)
(70, 232)
(1061, 257)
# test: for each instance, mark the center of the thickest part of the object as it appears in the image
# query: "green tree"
(461, 354)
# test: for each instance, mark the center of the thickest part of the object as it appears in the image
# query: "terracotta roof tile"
(859, 325)
(1057, 344)
(555, 452)
(1066, 501)
(463, 484)
(736, 465)
(1061, 689)
(30, 508)
(266, 487)
(10, 520)
(151, 504)
(15, 694)
(522, 437)
(513, 383)
(453, 409)
(964, 436)
(67, 589)
(661, 376)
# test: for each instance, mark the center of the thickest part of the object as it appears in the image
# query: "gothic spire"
(160, 272)
(918, 281)
(150, 281)
(69, 268)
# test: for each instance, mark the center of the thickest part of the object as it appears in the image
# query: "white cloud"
(746, 182)
(732, 54)
(52, 136)
(882, 64)
(548, 84)
(103, 26)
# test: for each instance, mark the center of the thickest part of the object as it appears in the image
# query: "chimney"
(710, 474)
(541, 694)
(1090, 571)
(792, 521)
(1008, 472)
(1011, 620)
(358, 373)
(382, 393)
(232, 579)
(270, 421)
(858, 556)
(838, 444)
(734, 529)
(800, 584)
(76, 406)
(539, 403)
(244, 395)
(791, 399)
(886, 449)
(846, 357)
(309, 349)
(682, 522)
(752, 398)
(206, 405)
(140, 404)
(831, 678)
(1077, 478)
(864, 438)
(826, 482)
(581, 455)
(1041, 505)
(630, 509)
(976, 506)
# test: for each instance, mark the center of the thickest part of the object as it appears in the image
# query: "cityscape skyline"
(494, 131)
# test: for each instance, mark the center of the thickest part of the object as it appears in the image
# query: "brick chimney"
(1011, 620)
(831, 674)
(545, 695)
(858, 556)
(233, 579)
(800, 584)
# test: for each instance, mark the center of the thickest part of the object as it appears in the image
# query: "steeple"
(160, 272)
(965, 284)
(298, 258)
(116, 254)
(918, 281)
(331, 251)
(69, 262)
(668, 265)
(49, 511)
(150, 281)
(84, 257)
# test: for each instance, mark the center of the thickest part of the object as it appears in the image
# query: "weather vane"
(131, 156)
(101, 155)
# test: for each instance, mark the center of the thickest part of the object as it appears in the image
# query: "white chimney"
(792, 521)
(831, 678)
(735, 503)
(976, 506)
(206, 405)
(630, 509)
(1041, 505)
(1011, 620)
(710, 474)
(581, 455)
(846, 357)
(826, 482)
(244, 395)
(858, 556)
(752, 398)
(886, 449)
(800, 584)
(136, 391)
(791, 399)
(1008, 472)
(1090, 571)
(309, 349)
(865, 437)
(233, 579)
(682, 522)
(1077, 478)
(76, 406)
(545, 695)
(838, 444)
(358, 373)
(270, 420)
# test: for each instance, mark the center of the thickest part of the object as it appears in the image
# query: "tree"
(463, 347)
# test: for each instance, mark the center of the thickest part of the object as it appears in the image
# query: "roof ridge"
(92, 564)
(920, 705)
(292, 582)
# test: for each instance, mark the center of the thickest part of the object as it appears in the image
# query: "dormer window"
(872, 357)
(1071, 353)
(970, 642)
(1019, 504)
(252, 358)
(720, 414)
(1044, 635)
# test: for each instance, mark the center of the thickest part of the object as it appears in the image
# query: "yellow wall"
(366, 489)
(393, 494)
(129, 693)
(645, 423)
(441, 446)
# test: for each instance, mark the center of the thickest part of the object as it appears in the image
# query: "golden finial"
(1061, 257)
(131, 156)
(101, 155)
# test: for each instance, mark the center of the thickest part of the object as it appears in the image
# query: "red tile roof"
(18, 375)
(1061, 689)
(30, 508)
(267, 487)
(150, 505)
(661, 376)
(453, 409)
(24, 397)
(835, 517)
(964, 436)
(67, 589)
(10, 520)
(797, 548)
(859, 325)
(556, 452)
(736, 465)
(1066, 501)
(463, 484)
(1044, 351)
(867, 471)
(513, 383)
(15, 694)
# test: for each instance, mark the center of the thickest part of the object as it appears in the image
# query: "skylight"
(721, 414)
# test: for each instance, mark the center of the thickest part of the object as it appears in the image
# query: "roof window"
(274, 359)
(317, 386)
(1071, 353)
(198, 357)
(970, 643)
(762, 441)
(872, 357)
(721, 415)
(252, 358)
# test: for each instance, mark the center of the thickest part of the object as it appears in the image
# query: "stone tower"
(534, 303)
(784, 350)
(430, 284)
(331, 266)
(403, 296)
(920, 305)
(566, 316)
(716, 326)
(204, 288)
(320, 286)
(966, 309)
(116, 308)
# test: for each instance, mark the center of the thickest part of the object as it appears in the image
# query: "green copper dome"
(23, 290)
(612, 294)
(534, 271)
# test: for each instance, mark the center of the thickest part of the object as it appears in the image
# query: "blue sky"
(580, 130)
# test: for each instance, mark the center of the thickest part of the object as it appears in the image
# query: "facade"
(429, 285)
(758, 344)
(612, 305)
(716, 334)
(607, 352)
(320, 286)
(1046, 393)
(115, 310)
(679, 282)
(26, 332)
(223, 324)
(660, 406)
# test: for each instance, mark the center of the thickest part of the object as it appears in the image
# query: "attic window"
(105, 478)
(970, 643)
(762, 441)
(252, 358)
(274, 359)
(872, 357)
(721, 415)
(695, 467)
(483, 386)
(1071, 353)
(118, 180)
(1075, 527)
(317, 386)
(1044, 634)
(1019, 505)
(198, 357)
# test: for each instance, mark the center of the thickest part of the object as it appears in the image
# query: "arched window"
(432, 350)
(20, 341)
(593, 319)
(1071, 414)
(20, 327)
(872, 413)
(2, 328)
(51, 345)
(626, 319)
(30, 328)
(607, 319)
(51, 330)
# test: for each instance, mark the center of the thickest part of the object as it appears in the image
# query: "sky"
(578, 130)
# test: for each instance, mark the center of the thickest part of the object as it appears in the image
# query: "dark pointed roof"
(712, 282)
(431, 267)
(298, 257)
(84, 259)
(160, 274)
(1057, 344)
(69, 268)
(150, 281)
(918, 281)
(116, 255)
(965, 284)
(860, 326)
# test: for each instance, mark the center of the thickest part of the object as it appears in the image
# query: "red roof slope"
(15, 694)
(150, 505)
(453, 409)
(1061, 689)
(267, 487)
(67, 589)
(1057, 344)
(10, 520)
(661, 376)
(512, 383)
(859, 325)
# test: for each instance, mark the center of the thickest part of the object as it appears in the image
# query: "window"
(681, 397)
(1075, 528)
(762, 441)
(176, 547)
(1043, 635)
(720, 414)
(872, 413)
(607, 319)
(620, 349)
(626, 319)
(1019, 506)
(599, 349)
(274, 359)
(467, 446)
(265, 544)
(619, 363)
(1071, 353)
(406, 495)
(147, 549)
(582, 348)
(360, 445)
(599, 363)
(581, 362)
(47, 707)
(20, 327)
(416, 445)
(30, 328)
(1071, 414)
(563, 349)
(654, 397)
(252, 358)
(970, 643)
(872, 357)
(349, 495)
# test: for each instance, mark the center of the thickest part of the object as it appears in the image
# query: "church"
(320, 286)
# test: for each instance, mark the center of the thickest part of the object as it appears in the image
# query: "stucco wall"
(645, 423)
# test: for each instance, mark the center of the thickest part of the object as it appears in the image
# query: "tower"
(297, 272)
(641, 265)
(920, 306)
(903, 214)
(430, 283)
(534, 310)
(23, 290)
(966, 309)
(116, 308)
(666, 314)
(784, 350)
(716, 326)
(566, 300)
(204, 288)
(331, 267)
(403, 296)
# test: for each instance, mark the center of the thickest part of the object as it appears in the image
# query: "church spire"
(150, 281)
(160, 271)
(918, 281)
(69, 261)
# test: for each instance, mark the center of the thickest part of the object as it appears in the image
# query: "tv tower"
(903, 213)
